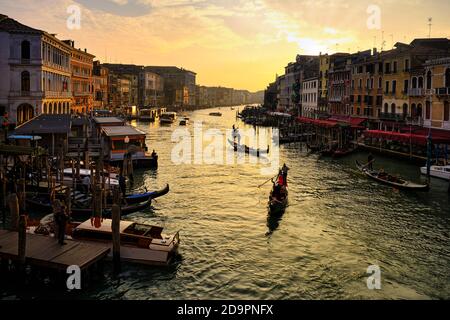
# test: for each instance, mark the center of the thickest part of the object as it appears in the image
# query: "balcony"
(417, 92)
(414, 121)
(56, 94)
(335, 99)
(392, 116)
(443, 92)
(19, 93)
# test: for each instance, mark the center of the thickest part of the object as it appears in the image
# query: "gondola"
(247, 149)
(390, 180)
(277, 205)
(141, 197)
(340, 153)
(41, 203)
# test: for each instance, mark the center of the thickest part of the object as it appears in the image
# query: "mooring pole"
(22, 240)
(13, 203)
(115, 228)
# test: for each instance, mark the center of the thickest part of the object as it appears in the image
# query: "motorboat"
(441, 172)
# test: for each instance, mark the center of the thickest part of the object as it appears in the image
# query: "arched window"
(25, 50)
(447, 78)
(446, 110)
(393, 108)
(429, 76)
(414, 83)
(24, 113)
(25, 81)
(386, 107)
(420, 110)
(420, 85)
(405, 109)
(414, 110)
(428, 110)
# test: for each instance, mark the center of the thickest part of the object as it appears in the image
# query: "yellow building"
(367, 86)
(437, 90)
(82, 65)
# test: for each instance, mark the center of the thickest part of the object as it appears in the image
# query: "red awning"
(414, 138)
(317, 122)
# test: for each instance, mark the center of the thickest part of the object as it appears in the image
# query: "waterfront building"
(310, 97)
(100, 82)
(36, 75)
(179, 85)
(437, 105)
(151, 89)
(367, 86)
(270, 96)
(340, 83)
(82, 65)
(282, 94)
(407, 93)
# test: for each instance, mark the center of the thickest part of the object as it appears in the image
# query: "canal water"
(337, 225)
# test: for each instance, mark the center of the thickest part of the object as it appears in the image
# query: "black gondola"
(387, 179)
(141, 197)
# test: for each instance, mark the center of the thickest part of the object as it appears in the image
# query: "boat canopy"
(122, 131)
(24, 137)
(105, 226)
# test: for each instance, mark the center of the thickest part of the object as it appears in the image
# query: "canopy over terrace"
(418, 138)
(355, 123)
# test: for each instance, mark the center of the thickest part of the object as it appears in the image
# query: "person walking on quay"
(60, 221)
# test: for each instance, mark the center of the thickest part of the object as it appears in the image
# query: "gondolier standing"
(370, 160)
(284, 172)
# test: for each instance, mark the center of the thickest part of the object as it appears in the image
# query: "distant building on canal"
(36, 73)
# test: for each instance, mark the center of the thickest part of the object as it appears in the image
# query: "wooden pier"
(45, 252)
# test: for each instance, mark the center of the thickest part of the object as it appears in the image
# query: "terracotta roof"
(10, 25)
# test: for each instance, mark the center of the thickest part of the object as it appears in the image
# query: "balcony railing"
(414, 121)
(392, 116)
(56, 94)
(417, 92)
(443, 91)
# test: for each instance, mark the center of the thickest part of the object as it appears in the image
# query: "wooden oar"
(368, 164)
(267, 181)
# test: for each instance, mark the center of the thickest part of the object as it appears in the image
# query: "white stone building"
(35, 69)
(310, 96)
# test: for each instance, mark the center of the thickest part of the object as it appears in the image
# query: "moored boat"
(139, 243)
(81, 210)
(441, 172)
(168, 117)
(387, 179)
(142, 197)
(215, 114)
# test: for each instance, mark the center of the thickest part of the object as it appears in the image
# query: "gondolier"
(370, 160)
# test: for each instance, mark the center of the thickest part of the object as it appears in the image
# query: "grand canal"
(338, 223)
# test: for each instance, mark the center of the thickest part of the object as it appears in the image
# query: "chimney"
(375, 51)
(85, 50)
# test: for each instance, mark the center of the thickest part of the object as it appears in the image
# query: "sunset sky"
(234, 43)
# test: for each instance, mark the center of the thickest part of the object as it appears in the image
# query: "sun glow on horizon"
(232, 43)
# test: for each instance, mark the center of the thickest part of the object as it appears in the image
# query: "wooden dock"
(45, 251)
